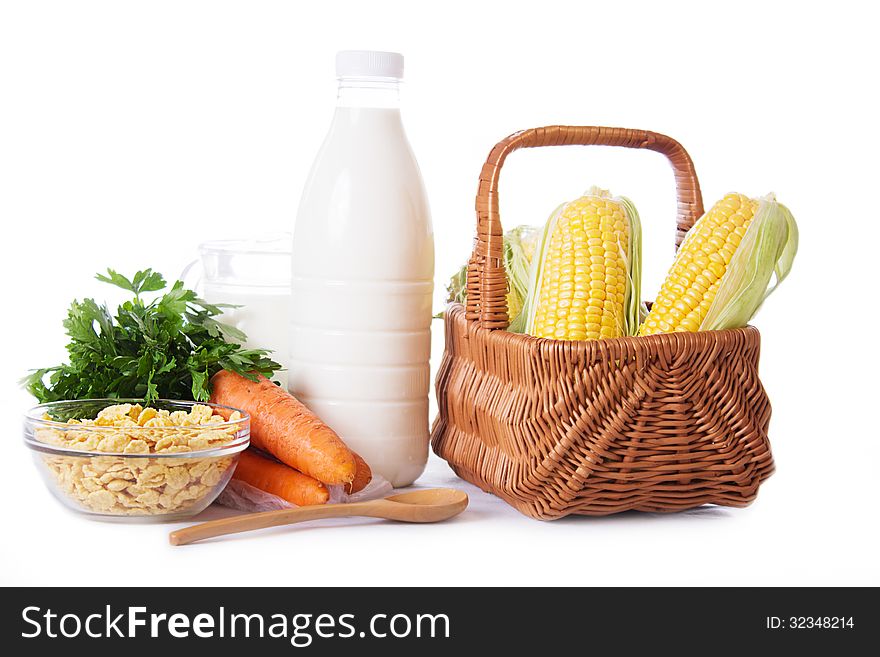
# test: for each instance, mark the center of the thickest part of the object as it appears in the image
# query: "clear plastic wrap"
(244, 497)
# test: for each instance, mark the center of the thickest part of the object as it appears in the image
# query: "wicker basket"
(553, 427)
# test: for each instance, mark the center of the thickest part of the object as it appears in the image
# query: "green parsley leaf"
(167, 348)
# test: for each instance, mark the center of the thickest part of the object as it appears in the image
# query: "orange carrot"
(362, 476)
(282, 426)
(277, 479)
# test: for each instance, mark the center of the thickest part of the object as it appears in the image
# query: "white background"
(130, 131)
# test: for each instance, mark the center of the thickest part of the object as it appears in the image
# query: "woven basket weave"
(554, 427)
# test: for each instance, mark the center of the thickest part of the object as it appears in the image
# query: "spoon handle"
(251, 521)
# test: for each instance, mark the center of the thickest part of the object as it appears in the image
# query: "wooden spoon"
(430, 505)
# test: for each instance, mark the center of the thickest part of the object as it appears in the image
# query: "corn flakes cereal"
(101, 500)
(140, 486)
(137, 447)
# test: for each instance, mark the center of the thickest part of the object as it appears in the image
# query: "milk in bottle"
(362, 276)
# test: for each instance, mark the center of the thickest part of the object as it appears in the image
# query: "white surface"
(131, 132)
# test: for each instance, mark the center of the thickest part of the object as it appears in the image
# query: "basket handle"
(486, 277)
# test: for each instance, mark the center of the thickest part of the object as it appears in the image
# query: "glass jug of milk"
(363, 276)
(253, 274)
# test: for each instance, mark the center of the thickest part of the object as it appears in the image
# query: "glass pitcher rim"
(280, 243)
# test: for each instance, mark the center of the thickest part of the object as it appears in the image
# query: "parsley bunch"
(167, 348)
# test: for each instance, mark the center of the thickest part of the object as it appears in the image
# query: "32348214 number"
(810, 623)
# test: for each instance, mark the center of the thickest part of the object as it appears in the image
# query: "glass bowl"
(116, 472)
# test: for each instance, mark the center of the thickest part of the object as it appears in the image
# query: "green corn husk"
(519, 246)
(635, 308)
(456, 289)
(766, 252)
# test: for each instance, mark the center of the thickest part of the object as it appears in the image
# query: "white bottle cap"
(369, 64)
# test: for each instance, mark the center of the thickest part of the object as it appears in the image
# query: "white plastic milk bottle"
(363, 276)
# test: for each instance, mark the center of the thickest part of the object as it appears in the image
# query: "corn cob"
(701, 262)
(766, 253)
(721, 273)
(582, 282)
